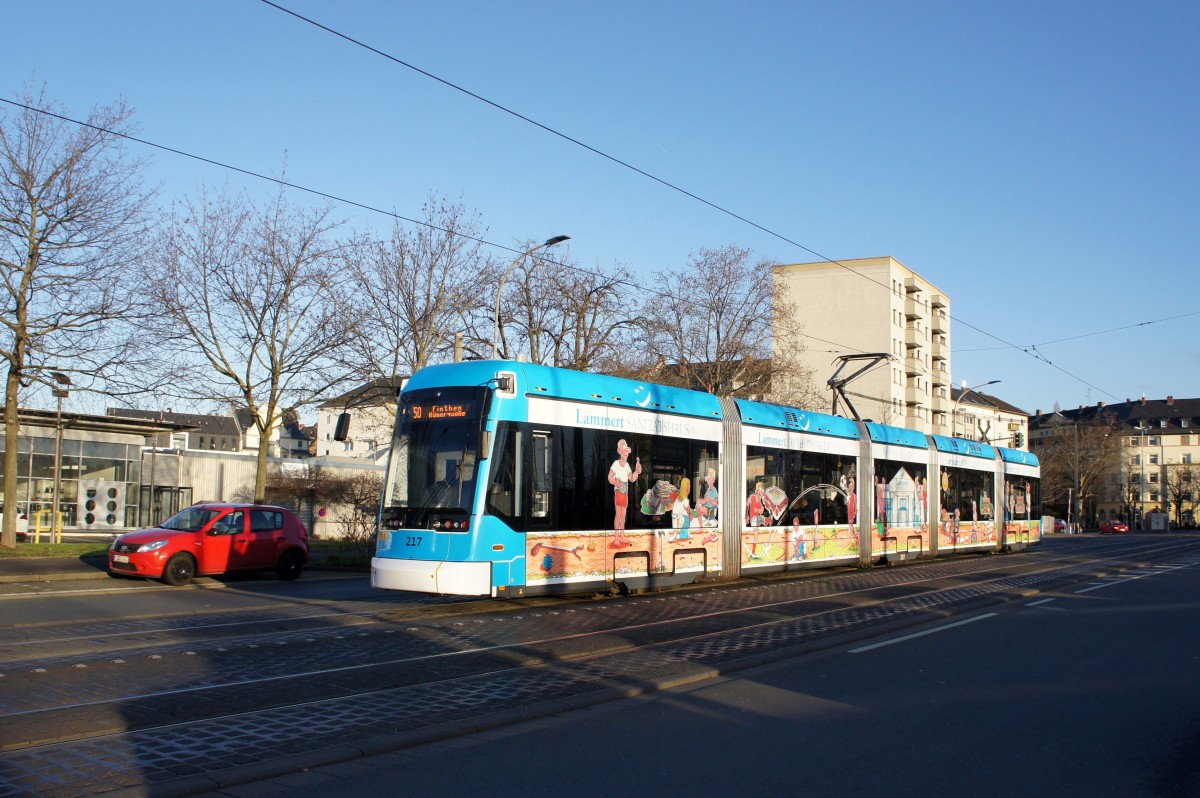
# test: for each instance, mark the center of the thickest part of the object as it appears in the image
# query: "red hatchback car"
(1114, 527)
(213, 539)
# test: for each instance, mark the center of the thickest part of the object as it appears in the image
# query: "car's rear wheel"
(290, 564)
(179, 570)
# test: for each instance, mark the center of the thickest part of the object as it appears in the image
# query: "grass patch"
(55, 550)
(338, 554)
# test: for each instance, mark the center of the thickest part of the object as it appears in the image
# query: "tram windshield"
(435, 452)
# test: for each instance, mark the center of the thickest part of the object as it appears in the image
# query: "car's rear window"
(265, 520)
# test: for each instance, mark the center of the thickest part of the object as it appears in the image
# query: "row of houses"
(372, 406)
(1136, 461)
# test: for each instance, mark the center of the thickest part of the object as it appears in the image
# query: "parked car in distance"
(22, 525)
(1115, 527)
(210, 539)
(1060, 525)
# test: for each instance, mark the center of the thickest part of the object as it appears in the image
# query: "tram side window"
(968, 492)
(900, 495)
(583, 489)
(670, 466)
(1023, 497)
(766, 486)
(504, 498)
(825, 482)
(540, 478)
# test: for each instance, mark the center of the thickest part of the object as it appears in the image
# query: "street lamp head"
(549, 242)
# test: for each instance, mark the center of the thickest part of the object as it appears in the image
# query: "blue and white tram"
(508, 479)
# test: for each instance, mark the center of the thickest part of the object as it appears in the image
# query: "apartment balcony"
(938, 301)
(915, 396)
(913, 308)
(911, 286)
(939, 375)
(939, 322)
(914, 336)
(914, 364)
(939, 347)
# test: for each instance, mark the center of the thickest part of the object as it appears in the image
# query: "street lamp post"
(60, 393)
(965, 390)
(1142, 430)
(549, 242)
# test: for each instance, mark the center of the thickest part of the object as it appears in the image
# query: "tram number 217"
(412, 540)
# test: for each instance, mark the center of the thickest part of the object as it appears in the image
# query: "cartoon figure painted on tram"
(682, 514)
(620, 475)
(710, 501)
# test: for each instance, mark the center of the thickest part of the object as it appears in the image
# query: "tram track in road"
(464, 669)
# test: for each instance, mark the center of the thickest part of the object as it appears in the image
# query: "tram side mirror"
(342, 431)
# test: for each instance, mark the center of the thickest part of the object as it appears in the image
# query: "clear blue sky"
(1037, 161)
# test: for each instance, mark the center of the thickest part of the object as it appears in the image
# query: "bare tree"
(411, 294)
(246, 308)
(560, 314)
(73, 219)
(599, 311)
(1079, 459)
(710, 327)
(1180, 490)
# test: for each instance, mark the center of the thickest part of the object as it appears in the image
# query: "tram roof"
(964, 447)
(897, 436)
(772, 416)
(1018, 456)
(579, 386)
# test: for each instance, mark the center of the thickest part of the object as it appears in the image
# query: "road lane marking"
(921, 634)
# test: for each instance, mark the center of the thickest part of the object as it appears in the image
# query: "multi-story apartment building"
(879, 305)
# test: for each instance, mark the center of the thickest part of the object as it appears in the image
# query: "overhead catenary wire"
(1031, 351)
(343, 200)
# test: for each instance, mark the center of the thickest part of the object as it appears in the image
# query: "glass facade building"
(99, 469)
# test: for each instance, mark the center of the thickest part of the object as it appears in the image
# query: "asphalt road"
(1089, 690)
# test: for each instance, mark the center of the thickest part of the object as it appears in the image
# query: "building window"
(1187, 460)
(1153, 477)
(1153, 459)
(1136, 460)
